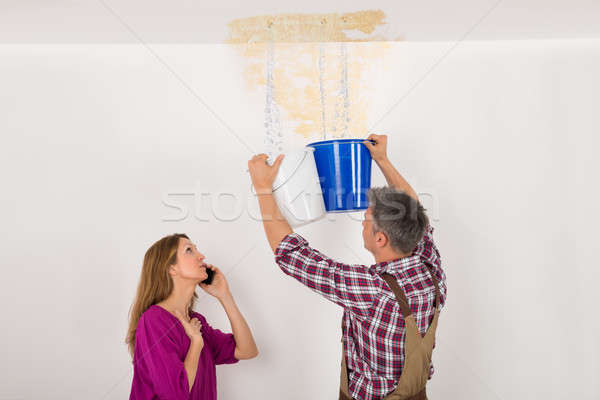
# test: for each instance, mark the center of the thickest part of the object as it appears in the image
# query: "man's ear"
(380, 239)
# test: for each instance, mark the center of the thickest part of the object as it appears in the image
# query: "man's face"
(367, 233)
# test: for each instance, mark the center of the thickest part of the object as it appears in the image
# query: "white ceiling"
(71, 21)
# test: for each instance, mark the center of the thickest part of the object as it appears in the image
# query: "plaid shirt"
(373, 326)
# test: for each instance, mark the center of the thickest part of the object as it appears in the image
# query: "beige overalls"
(417, 350)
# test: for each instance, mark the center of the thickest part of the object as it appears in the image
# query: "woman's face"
(190, 262)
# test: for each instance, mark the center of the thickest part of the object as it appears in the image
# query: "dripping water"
(273, 136)
(322, 88)
(344, 88)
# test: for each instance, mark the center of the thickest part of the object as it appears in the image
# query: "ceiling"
(179, 21)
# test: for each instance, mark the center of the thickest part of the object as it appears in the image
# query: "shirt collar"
(397, 265)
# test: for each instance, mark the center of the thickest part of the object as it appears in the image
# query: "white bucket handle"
(289, 177)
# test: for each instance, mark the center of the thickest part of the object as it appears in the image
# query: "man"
(391, 307)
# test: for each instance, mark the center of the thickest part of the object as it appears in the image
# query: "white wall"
(94, 138)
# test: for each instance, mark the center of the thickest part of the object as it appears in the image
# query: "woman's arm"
(245, 347)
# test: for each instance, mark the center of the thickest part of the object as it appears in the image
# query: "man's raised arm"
(379, 155)
(263, 176)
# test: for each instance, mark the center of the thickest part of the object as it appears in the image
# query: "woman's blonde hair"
(155, 283)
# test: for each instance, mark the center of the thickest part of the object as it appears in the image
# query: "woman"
(174, 349)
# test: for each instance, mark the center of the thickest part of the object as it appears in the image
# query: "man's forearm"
(275, 224)
(394, 178)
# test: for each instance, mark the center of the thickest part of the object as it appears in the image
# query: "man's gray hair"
(400, 217)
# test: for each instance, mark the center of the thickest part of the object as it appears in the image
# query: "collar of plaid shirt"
(396, 266)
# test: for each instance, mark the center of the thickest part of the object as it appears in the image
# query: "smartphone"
(211, 275)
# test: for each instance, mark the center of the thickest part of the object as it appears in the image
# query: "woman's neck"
(179, 299)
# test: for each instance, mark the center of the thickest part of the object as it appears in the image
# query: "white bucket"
(297, 189)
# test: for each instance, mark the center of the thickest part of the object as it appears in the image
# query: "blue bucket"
(344, 167)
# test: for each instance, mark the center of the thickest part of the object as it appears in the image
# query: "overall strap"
(398, 292)
(401, 297)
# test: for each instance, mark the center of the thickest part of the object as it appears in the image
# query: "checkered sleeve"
(429, 254)
(350, 286)
(426, 248)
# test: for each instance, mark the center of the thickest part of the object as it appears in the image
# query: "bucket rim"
(305, 151)
(325, 142)
(292, 151)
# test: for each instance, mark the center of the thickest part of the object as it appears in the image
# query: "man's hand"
(392, 176)
(262, 174)
(379, 149)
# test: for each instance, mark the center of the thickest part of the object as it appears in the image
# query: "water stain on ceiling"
(360, 26)
(313, 69)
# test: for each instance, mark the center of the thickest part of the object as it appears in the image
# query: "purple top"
(160, 349)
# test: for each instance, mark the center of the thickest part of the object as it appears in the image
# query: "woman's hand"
(192, 328)
(379, 149)
(219, 287)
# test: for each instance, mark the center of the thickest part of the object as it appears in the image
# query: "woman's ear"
(172, 270)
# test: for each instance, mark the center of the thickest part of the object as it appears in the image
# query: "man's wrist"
(263, 191)
(381, 160)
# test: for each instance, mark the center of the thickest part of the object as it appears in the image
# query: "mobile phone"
(211, 275)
